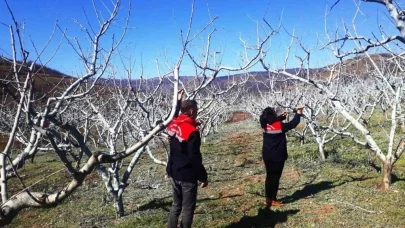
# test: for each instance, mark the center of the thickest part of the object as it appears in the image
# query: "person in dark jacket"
(274, 149)
(185, 166)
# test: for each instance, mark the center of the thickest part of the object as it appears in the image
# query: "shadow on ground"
(310, 190)
(163, 203)
(166, 202)
(264, 218)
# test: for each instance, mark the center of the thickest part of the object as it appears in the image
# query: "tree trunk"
(119, 205)
(302, 140)
(116, 185)
(386, 173)
(321, 149)
(3, 178)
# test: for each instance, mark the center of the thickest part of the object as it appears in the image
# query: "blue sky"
(155, 25)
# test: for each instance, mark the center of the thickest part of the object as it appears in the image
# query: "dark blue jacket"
(275, 141)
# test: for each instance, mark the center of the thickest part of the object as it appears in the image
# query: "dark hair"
(186, 105)
(269, 116)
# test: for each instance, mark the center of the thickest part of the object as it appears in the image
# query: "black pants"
(184, 200)
(273, 174)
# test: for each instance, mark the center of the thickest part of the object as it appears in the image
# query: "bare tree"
(50, 112)
(100, 109)
(385, 83)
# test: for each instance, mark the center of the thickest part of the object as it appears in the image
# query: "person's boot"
(276, 203)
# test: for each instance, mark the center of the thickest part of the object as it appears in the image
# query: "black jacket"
(274, 139)
(185, 160)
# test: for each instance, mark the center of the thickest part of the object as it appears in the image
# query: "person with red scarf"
(184, 166)
(274, 150)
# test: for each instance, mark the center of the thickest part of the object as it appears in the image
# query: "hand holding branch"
(180, 95)
(299, 109)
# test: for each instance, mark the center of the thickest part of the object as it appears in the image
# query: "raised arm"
(294, 122)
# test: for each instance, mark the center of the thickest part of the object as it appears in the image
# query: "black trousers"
(184, 200)
(274, 169)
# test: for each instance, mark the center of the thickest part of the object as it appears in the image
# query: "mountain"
(48, 80)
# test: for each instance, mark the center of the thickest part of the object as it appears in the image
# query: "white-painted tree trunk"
(3, 178)
(321, 149)
(124, 181)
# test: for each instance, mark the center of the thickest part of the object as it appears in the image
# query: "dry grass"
(338, 193)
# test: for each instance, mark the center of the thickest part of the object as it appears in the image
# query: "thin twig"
(355, 206)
